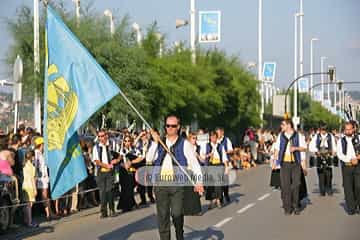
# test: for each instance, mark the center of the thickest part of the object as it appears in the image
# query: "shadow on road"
(27, 233)
(208, 233)
(335, 191)
(144, 224)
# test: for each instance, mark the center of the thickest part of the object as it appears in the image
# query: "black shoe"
(322, 194)
(351, 212)
(227, 198)
(297, 211)
(113, 213)
(287, 213)
(152, 200)
(330, 192)
(103, 215)
(142, 203)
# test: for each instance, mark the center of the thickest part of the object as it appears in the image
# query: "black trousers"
(325, 179)
(105, 181)
(169, 202)
(141, 190)
(351, 184)
(290, 175)
(149, 190)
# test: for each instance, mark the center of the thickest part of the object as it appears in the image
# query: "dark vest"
(355, 140)
(328, 139)
(209, 149)
(294, 141)
(108, 151)
(178, 151)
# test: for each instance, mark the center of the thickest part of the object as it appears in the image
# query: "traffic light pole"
(330, 73)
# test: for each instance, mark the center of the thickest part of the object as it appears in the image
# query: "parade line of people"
(113, 160)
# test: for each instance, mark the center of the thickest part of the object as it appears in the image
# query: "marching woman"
(275, 169)
(192, 204)
(216, 157)
(127, 176)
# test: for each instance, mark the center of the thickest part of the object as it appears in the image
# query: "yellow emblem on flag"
(62, 106)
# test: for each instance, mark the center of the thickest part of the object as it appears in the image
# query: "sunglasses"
(171, 125)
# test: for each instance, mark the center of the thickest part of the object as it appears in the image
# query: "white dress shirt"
(350, 152)
(323, 143)
(95, 155)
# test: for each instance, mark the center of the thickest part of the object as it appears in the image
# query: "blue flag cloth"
(75, 88)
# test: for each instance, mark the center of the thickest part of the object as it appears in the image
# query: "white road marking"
(263, 197)
(223, 222)
(246, 208)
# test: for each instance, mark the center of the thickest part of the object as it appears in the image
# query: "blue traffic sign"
(269, 71)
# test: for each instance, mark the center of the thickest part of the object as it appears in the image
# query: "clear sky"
(334, 22)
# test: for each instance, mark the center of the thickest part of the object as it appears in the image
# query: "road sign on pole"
(209, 26)
(269, 70)
(303, 85)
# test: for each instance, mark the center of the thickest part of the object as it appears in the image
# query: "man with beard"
(288, 151)
(348, 152)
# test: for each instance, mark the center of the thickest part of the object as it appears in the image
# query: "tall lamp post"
(17, 75)
(296, 15)
(77, 5)
(322, 59)
(192, 31)
(137, 29)
(109, 14)
(301, 16)
(330, 72)
(312, 64)
(260, 61)
(37, 103)
(159, 38)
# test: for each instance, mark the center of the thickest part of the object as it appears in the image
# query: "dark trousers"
(325, 179)
(105, 181)
(351, 184)
(141, 190)
(149, 190)
(170, 201)
(290, 175)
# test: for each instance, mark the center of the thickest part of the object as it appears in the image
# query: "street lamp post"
(330, 72)
(159, 36)
(295, 64)
(17, 75)
(335, 93)
(37, 103)
(192, 31)
(77, 5)
(260, 61)
(301, 16)
(137, 29)
(109, 14)
(322, 59)
(312, 64)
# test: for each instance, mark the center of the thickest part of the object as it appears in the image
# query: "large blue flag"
(75, 87)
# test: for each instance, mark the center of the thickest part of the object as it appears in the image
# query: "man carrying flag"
(75, 88)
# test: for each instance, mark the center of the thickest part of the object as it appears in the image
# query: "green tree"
(217, 90)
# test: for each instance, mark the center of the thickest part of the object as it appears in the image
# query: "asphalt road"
(254, 213)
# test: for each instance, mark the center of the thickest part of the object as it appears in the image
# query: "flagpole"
(160, 141)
